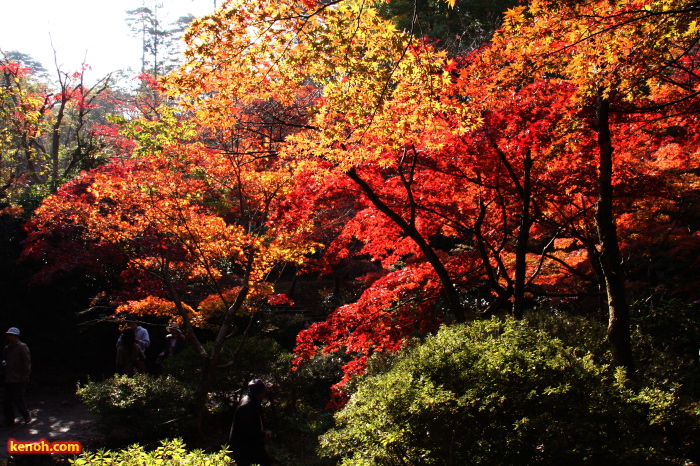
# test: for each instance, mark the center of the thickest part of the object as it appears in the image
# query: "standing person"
(129, 354)
(18, 365)
(175, 342)
(247, 437)
(142, 338)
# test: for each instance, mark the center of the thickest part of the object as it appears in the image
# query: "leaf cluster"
(139, 407)
(496, 392)
(171, 452)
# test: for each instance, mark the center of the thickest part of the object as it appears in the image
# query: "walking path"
(58, 415)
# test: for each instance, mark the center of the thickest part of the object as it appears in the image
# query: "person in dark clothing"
(175, 342)
(129, 353)
(18, 366)
(247, 437)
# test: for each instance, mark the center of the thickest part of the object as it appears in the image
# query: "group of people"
(246, 438)
(134, 340)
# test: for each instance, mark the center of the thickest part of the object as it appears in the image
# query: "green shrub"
(496, 392)
(260, 357)
(142, 406)
(667, 339)
(170, 452)
(297, 398)
(586, 333)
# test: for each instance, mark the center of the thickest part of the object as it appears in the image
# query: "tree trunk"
(503, 293)
(209, 360)
(56, 140)
(522, 242)
(448, 287)
(210, 364)
(610, 256)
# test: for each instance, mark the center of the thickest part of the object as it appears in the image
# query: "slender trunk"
(594, 257)
(336, 289)
(610, 256)
(448, 287)
(522, 242)
(156, 40)
(211, 361)
(503, 293)
(56, 141)
(293, 285)
(516, 287)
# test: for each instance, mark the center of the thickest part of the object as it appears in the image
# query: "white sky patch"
(94, 31)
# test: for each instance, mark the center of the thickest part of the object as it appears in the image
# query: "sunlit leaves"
(45, 129)
(153, 136)
(484, 161)
(624, 48)
(375, 86)
(171, 215)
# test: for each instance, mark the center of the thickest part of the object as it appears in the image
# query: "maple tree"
(385, 140)
(456, 187)
(544, 155)
(342, 49)
(627, 57)
(46, 132)
(192, 225)
(504, 135)
(370, 89)
(470, 202)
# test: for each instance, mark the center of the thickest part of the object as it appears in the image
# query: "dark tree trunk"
(522, 242)
(449, 290)
(610, 256)
(211, 361)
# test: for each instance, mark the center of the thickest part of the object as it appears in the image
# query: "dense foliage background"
(444, 232)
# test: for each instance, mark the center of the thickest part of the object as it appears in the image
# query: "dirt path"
(58, 414)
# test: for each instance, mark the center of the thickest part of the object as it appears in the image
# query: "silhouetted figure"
(175, 342)
(18, 366)
(247, 437)
(141, 334)
(129, 354)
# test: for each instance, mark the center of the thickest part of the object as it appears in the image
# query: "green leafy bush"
(667, 339)
(170, 452)
(260, 357)
(296, 414)
(497, 392)
(142, 406)
(586, 333)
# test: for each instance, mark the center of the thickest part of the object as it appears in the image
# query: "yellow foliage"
(154, 306)
(376, 86)
(600, 46)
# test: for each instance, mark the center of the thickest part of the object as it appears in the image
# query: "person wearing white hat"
(18, 366)
(175, 342)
